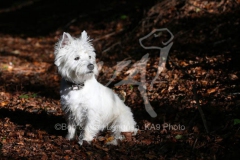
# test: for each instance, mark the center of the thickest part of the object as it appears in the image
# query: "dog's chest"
(75, 97)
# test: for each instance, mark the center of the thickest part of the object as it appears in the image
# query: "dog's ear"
(66, 39)
(84, 36)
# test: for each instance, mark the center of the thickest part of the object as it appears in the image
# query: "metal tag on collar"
(77, 86)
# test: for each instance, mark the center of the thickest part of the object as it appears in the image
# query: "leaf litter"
(204, 53)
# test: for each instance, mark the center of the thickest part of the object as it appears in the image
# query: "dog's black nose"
(90, 67)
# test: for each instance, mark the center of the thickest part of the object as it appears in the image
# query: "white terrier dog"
(87, 103)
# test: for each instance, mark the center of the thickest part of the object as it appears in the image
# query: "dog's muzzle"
(90, 67)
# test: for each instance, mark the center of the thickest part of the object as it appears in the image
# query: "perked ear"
(84, 36)
(66, 39)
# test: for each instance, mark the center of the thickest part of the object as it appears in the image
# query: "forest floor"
(201, 74)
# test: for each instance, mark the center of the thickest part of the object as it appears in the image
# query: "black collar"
(74, 86)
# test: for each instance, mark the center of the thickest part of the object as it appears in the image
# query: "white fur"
(94, 106)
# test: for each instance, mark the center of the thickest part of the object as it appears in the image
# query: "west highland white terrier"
(87, 103)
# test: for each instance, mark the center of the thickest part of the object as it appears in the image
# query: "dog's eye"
(77, 58)
(90, 57)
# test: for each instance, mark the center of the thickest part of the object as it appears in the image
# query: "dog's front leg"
(71, 125)
(90, 131)
(71, 131)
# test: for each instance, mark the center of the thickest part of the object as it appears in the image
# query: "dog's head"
(75, 58)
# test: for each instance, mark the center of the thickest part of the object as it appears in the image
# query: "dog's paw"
(69, 136)
(80, 142)
(128, 135)
(84, 142)
(113, 142)
(135, 132)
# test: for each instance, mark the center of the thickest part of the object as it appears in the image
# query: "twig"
(221, 41)
(195, 142)
(198, 7)
(90, 14)
(195, 96)
(107, 36)
(200, 108)
(112, 46)
(18, 7)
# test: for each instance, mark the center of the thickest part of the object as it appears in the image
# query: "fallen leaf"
(218, 139)
(150, 156)
(4, 103)
(146, 141)
(100, 147)
(178, 136)
(212, 90)
(184, 64)
(233, 76)
(127, 135)
(101, 138)
(204, 82)
(20, 143)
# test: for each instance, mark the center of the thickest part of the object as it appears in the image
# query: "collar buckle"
(77, 86)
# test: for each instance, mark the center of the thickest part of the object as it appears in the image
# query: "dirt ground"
(196, 96)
